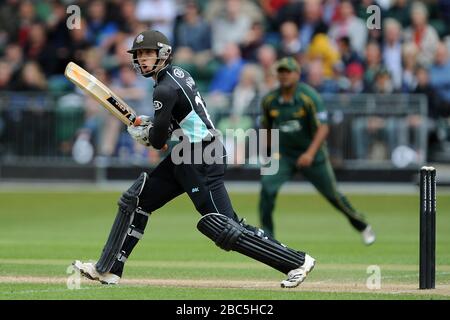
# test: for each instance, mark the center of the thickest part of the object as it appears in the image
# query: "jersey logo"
(178, 73)
(300, 113)
(290, 126)
(274, 113)
(157, 105)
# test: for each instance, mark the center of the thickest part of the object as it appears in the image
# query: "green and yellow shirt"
(296, 120)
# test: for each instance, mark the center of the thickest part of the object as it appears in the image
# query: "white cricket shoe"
(87, 269)
(297, 276)
(368, 235)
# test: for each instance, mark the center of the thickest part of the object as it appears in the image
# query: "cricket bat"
(100, 92)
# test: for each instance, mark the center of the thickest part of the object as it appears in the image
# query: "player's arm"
(266, 123)
(318, 117)
(318, 139)
(167, 98)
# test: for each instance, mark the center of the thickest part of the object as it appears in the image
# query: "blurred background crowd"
(229, 47)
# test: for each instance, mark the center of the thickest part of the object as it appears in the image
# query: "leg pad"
(123, 225)
(250, 241)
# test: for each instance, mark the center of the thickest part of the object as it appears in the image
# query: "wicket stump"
(427, 268)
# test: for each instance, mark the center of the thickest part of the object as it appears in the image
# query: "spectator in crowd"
(193, 31)
(100, 29)
(252, 42)
(8, 21)
(376, 136)
(26, 109)
(228, 75)
(119, 55)
(225, 79)
(270, 10)
(267, 57)
(231, 26)
(424, 87)
(372, 65)
(246, 93)
(322, 49)
(158, 14)
(14, 58)
(355, 74)
(444, 13)
(400, 11)
(32, 78)
(383, 82)
(415, 121)
(290, 44)
(5, 75)
(37, 48)
(351, 26)
(271, 7)
(79, 44)
(290, 11)
(317, 80)
(127, 15)
(330, 11)
(312, 23)
(409, 64)
(347, 54)
(392, 50)
(216, 8)
(440, 78)
(56, 25)
(422, 34)
(244, 108)
(93, 59)
(27, 16)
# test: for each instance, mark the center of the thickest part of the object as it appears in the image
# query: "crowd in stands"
(229, 47)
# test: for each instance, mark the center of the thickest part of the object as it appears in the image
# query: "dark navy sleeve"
(164, 99)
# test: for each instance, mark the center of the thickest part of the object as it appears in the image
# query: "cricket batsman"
(180, 108)
(297, 111)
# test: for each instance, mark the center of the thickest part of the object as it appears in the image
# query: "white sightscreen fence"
(366, 131)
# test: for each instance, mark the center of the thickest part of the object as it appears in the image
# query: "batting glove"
(140, 133)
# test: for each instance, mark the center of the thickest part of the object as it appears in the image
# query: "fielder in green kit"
(297, 111)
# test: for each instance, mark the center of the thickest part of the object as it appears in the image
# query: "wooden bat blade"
(100, 92)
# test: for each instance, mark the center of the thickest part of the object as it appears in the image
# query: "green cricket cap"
(288, 63)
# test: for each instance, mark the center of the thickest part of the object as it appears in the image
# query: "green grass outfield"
(41, 233)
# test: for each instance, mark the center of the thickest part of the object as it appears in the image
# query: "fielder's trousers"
(321, 175)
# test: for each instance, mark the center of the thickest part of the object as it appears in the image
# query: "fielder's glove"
(140, 133)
